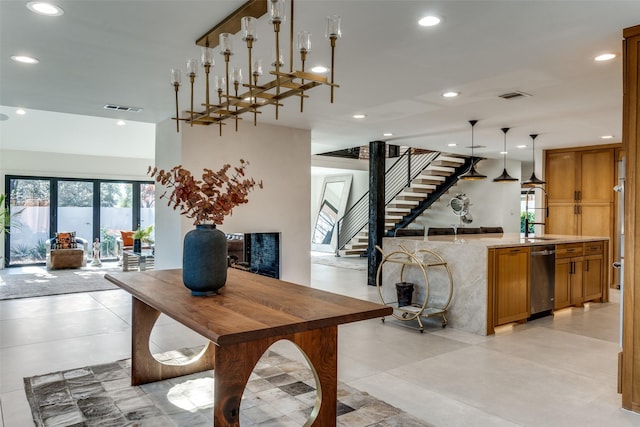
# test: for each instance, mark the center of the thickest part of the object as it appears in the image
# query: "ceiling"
(388, 68)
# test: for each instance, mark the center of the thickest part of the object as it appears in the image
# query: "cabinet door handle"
(586, 266)
(579, 194)
(575, 196)
(575, 209)
(579, 209)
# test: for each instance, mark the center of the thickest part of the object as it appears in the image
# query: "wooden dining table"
(248, 315)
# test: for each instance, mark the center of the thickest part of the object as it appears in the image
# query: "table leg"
(144, 367)
(235, 362)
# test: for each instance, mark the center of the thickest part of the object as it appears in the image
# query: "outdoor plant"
(6, 218)
(208, 200)
(531, 218)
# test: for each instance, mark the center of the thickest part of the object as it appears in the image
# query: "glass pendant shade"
(207, 57)
(276, 11)
(533, 180)
(333, 26)
(176, 76)
(236, 75)
(192, 67)
(257, 67)
(304, 41)
(219, 82)
(249, 24)
(226, 43)
(505, 177)
(472, 174)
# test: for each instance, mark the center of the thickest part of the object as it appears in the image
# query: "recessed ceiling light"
(319, 69)
(521, 146)
(43, 8)
(450, 94)
(451, 144)
(359, 116)
(120, 123)
(504, 152)
(429, 21)
(606, 136)
(605, 57)
(387, 134)
(21, 112)
(25, 59)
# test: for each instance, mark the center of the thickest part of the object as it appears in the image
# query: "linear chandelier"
(234, 97)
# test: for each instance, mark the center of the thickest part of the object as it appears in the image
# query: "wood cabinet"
(579, 275)
(580, 194)
(579, 278)
(593, 271)
(580, 191)
(512, 300)
(568, 276)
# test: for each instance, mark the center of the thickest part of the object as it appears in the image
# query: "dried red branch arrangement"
(208, 200)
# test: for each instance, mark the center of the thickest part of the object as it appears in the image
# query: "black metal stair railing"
(397, 178)
(440, 190)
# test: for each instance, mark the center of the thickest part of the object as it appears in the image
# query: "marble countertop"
(503, 240)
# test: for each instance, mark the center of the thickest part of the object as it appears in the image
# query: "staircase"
(426, 187)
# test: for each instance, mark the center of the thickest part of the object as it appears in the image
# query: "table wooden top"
(248, 307)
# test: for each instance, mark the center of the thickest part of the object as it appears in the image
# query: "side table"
(137, 261)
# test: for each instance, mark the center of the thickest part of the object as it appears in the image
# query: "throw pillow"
(66, 240)
(127, 238)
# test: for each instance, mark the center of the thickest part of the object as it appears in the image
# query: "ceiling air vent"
(122, 108)
(514, 95)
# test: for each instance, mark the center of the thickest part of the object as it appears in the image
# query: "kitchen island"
(491, 275)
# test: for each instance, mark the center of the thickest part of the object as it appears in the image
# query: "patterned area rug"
(280, 392)
(38, 281)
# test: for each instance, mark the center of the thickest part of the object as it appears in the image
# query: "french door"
(94, 209)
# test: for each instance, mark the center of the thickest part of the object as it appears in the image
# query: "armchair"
(74, 256)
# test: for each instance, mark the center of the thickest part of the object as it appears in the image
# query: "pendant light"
(472, 174)
(534, 180)
(505, 177)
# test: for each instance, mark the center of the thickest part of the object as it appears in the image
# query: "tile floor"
(554, 371)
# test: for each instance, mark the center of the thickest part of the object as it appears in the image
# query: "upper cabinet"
(580, 191)
(581, 200)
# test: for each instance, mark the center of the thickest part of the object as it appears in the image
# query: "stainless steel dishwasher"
(542, 278)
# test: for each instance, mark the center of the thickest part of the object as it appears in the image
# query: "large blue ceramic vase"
(204, 260)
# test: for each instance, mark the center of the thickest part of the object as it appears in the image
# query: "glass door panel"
(148, 207)
(29, 206)
(116, 214)
(75, 208)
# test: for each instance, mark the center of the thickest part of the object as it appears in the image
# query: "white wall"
(281, 158)
(168, 228)
(30, 163)
(492, 203)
